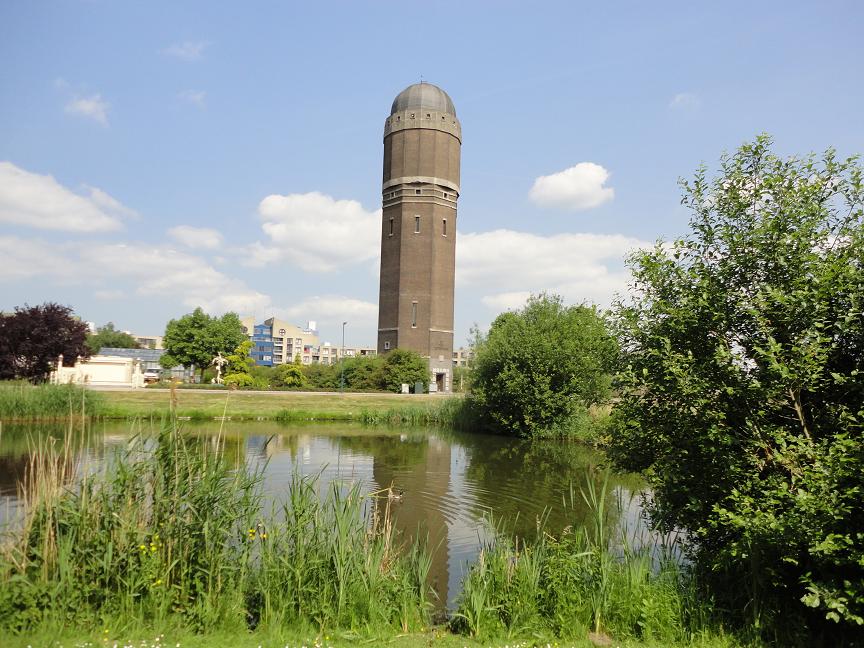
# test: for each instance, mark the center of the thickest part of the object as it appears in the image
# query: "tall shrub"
(743, 387)
(539, 368)
(402, 366)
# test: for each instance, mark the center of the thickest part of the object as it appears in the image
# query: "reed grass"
(23, 401)
(291, 415)
(585, 581)
(450, 412)
(170, 535)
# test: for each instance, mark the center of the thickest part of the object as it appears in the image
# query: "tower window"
(391, 226)
(416, 224)
(413, 314)
(446, 195)
(417, 191)
(444, 223)
(387, 344)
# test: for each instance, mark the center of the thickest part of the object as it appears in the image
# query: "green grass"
(23, 401)
(136, 637)
(252, 405)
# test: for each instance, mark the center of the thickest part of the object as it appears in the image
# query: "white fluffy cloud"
(505, 266)
(92, 107)
(110, 204)
(329, 306)
(187, 50)
(25, 259)
(315, 232)
(109, 294)
(329, 311)
(684, 101)
(40, 201)
(154, 271)
(576, 188)
(196, 237)
(506, 300)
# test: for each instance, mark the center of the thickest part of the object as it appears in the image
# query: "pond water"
(452, 484)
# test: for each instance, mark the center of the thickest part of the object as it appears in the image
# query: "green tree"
(364, 373)
(322, 376)
(539, 369)
(238, 371)
(108, 336)
(196, 338)
(402, 366)
(461, 379)
(289, 375)
(743, 383)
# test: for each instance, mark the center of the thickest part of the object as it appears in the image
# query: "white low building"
(100, 371)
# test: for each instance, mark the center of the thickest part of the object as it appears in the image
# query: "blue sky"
(156, 156)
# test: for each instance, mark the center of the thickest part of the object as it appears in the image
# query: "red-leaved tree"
(32, 338)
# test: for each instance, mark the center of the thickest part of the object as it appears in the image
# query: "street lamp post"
(342, 362)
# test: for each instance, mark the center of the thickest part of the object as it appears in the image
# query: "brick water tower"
(422, 148)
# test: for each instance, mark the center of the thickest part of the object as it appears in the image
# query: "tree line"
(32, 338)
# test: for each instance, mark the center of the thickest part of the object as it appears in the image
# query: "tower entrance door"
(439, 381)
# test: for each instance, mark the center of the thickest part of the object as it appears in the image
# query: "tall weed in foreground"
(170, 534)
(336, 562)
(24, 401)
(586, 580)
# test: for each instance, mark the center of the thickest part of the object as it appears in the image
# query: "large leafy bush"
(539, 369)
(743, 389)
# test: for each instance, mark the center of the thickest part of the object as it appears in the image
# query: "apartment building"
(278, 342)
(463, 357)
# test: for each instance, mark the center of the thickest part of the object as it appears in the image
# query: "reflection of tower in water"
(420, 511)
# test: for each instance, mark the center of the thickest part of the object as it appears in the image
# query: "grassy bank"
(134, 637)
(250, 405)
(22, 401)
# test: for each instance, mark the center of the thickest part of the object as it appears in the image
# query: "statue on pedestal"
(219, 361)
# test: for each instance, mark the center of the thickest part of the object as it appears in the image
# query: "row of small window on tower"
(428, 116)
(417, 226)
(417, 192)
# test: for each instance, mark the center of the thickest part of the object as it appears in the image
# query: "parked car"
(152, 375)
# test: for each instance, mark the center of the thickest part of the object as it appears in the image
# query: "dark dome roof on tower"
(423, 95)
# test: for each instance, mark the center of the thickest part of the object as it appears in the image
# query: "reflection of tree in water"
(522, 481)
(245, 442)
(390, 449)
(19, 441)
